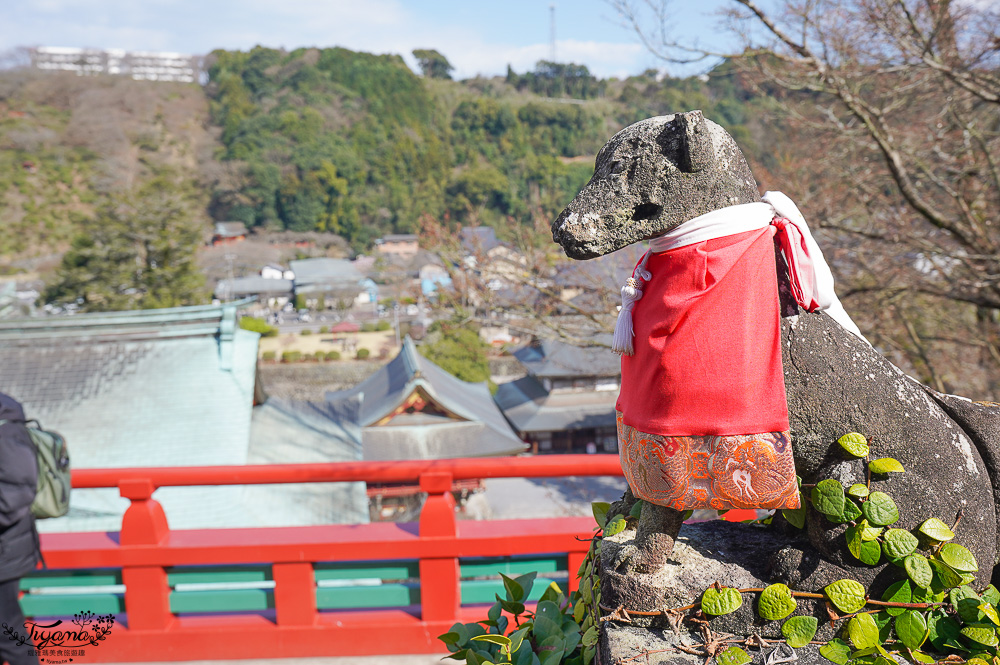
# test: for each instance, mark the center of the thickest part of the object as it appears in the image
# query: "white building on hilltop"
(139, 65)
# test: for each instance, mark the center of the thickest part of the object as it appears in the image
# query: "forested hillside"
(321, 140)
(359, 145)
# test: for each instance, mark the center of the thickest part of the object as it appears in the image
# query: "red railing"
(146, 548)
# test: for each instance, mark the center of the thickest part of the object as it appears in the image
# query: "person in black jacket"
(19, 549)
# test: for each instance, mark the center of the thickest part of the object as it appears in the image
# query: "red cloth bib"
(707, 357)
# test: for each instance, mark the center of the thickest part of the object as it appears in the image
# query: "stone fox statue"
(728, 388)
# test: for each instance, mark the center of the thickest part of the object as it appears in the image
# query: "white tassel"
(621, 342)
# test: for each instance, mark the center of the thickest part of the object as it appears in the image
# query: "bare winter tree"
(889, 116)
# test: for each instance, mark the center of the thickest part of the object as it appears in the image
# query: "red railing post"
(294, 593)
(147, 590)
(439, 577)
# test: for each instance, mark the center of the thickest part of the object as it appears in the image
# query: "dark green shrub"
(306, 332)
(382, 326)
(291, 356)
(333, 355)
(268, 356)
(367, 327)
(363, 354)
(324, 330)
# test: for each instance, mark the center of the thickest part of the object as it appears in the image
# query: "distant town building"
(405, 245)
(139, 65)
(412, 409)
(271, 292)
(566, 403)
(274, 271)
(229, 232)
(326, 278)
(478, 239)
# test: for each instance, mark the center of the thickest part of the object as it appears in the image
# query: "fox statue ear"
(697, 151)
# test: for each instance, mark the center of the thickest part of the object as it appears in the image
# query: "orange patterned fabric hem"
(720, 472)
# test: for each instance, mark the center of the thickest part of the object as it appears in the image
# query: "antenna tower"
(552, 32)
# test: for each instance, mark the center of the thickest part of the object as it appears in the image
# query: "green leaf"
(544, 628)
(450, 639)
(636, 509)
(590, 637)
(526, 581)
(720, 601)
(880, 509)
(795, 516)
(799, 631)
(990, 595)
(959, 558)
(990, 612)
(885, 465)
(900, 592)
(847, 595)
(884, 622)
(828, 497)
(986, 636)
(911, 628)
(494, 612)
(855, 444)
(935, 529)
(918, 570)
(733, 656)
(978, 661)
(944, 631)
(553, 593)
(851, 512)
(516, 638)
(837, 651)
(858, 490)
(510, 606)
(966, 602)
(502, 640)
(776, 602)
(869, 532)
(615, 526)
(549, 610)
(853, 536)
(551, 650)
(462, 632)
(578, 610)
(899, 543)
(945, 574)
(600, 510)
(514, 590)
(863, 631)
(870, 553)
(921, 657)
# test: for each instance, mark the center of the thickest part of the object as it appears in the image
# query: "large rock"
(734, 555)
(837, 384)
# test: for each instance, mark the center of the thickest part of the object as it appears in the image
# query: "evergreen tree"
(137, 253)
(433, 65)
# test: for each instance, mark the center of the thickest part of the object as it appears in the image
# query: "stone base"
(627, 645)
(735, 555)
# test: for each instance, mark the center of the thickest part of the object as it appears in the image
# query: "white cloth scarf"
(810, 275)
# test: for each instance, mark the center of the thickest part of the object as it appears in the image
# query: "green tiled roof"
(169, 387)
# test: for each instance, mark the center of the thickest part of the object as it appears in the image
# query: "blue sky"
(477, 36)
